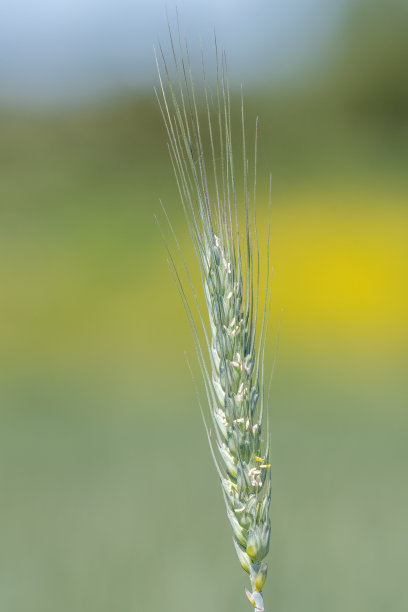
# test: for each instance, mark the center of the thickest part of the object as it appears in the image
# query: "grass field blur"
(102, 445)
(84, 267)
(109, 498)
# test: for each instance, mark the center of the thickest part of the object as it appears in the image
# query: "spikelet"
(228, 255)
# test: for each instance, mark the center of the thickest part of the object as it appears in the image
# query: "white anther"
(254, 475)
(254, 471)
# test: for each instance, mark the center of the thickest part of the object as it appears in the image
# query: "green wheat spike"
(223, 229)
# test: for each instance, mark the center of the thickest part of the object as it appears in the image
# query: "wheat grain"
(232, 358)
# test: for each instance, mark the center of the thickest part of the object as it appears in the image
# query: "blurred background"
(109, 500)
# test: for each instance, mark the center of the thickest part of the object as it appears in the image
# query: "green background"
(109, 500)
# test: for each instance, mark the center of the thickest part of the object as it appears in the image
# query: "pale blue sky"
(64, 50)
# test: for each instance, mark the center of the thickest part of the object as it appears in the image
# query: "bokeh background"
(109, 500)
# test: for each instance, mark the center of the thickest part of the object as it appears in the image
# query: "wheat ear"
(231, 356)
